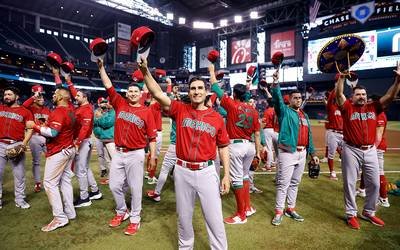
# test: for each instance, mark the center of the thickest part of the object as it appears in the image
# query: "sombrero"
(340, 53)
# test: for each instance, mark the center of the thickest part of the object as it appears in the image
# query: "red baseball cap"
(221, 73)
(251, 71)
(277, 58)
(137, 76)
(213, 56)
(37, 88)
(101, 100)
(67, 68)
(53, 60)
(141, 39)
(99, 49)
(160, 73)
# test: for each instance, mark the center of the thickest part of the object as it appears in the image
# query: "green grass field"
(320, 201)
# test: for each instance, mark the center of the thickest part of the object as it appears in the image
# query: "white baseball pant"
(269, 135)
(37, 144)
(58, 175)
(205, 184)
(127, 168)
(240, 155)
(334, 141)
(83, 171)
(166, 167)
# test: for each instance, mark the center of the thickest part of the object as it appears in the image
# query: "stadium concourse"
(152, 118)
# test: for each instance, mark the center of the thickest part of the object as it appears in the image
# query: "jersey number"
(245, 121)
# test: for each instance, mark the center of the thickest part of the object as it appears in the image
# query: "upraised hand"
(100, 63)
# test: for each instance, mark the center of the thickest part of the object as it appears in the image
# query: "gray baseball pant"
(240, 156)
(335, 141)
(167, 165)
(204, 184)
(288, 177)
(18, 168)
(269, 135)
(127, 168)
(158, 143)
(37, 144)
(381, 161)
(103, 164)
(58, 175)
(83, 171)
(354, 159)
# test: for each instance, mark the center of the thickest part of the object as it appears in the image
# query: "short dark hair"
(295, 91)
(133, 84)
(15, 90)
(239, 91)
(86, 93)
(359, 87)
(196, 78)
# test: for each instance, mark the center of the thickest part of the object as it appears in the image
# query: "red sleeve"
(116, 99)
(222, 135)
(227, 103)
(57, 80)
(175, 108)
(256, 122)
(85, 126)
(169, 88)
(28, 102)
(346, 106)
(331, 99)
(56, 121)
(381, 120)
(28, 115)
(72, 89)
(151, 130)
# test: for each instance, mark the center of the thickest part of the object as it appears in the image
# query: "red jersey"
(156, 109)
(242, 119)
(269, 116)
(40, 114)
(84, 122)
(276, 123)
(302, 139)
(133, 125)
(13, 120)
(382, 122)
(198, 132)
(63, 120)
(334, 115)
(359, 122)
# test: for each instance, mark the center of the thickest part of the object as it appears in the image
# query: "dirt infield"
(392, 137)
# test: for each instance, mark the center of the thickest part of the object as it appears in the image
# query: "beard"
(9, 102)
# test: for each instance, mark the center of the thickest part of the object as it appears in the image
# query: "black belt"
(125, 149)
(8, 141)
(362, 147)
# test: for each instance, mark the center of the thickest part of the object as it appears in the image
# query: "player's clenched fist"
(225, 185)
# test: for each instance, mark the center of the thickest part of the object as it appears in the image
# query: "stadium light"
(253, 15)
(203, 25)
(170, 16)
(223, 23)
(182, 20)
(238, 19)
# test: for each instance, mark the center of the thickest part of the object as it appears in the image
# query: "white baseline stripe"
(325, 172)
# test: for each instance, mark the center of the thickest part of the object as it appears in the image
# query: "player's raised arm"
(340, 98)
(393, 90)
(103, 74)
(152, 85)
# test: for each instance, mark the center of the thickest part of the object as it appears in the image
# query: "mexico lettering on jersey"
(382, 122)
(133, 125)
(198, 132)
(63, 120)
(360, 122)
(242, 119)
(334, 115)
(13, 120)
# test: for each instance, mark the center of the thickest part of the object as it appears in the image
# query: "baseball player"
(294, 142)
(242, 122)
(82, 133)
(13, 119)
(59, 132)
(155, 108)
(334, 131)
(199, 130)
(381, 146)
(268, 119)
(359, 151)
(103, 128)
(37, 143)
(134, 125)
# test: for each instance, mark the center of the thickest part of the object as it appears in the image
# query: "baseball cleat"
(294, 215)
(37, 188)
(53, 225)
(255, 190)
(153, 195)
(132, 228)
(324, 160)
(360, 192)
(95, 195)
(352, 222)
(152, 181)
(118, 219)
(373, 219)
(250, 211)
(82, 202)
(333, 176)
(277, 220)
(104, 181)
(23, 204)
(235, 219)
(383, 202)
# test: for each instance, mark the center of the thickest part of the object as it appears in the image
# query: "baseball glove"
(15, 151)
(254, 164)
(313, 169)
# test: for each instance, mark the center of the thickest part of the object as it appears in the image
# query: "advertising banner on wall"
(123, 47)
(203, 61)
(284, 42)
(240, 51)
(124, 31)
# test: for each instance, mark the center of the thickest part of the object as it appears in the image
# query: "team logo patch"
(129, 117)
(11, 115)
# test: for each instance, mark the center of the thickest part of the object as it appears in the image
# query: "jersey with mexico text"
(198, 132)
(13, 120)
(133, 125)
